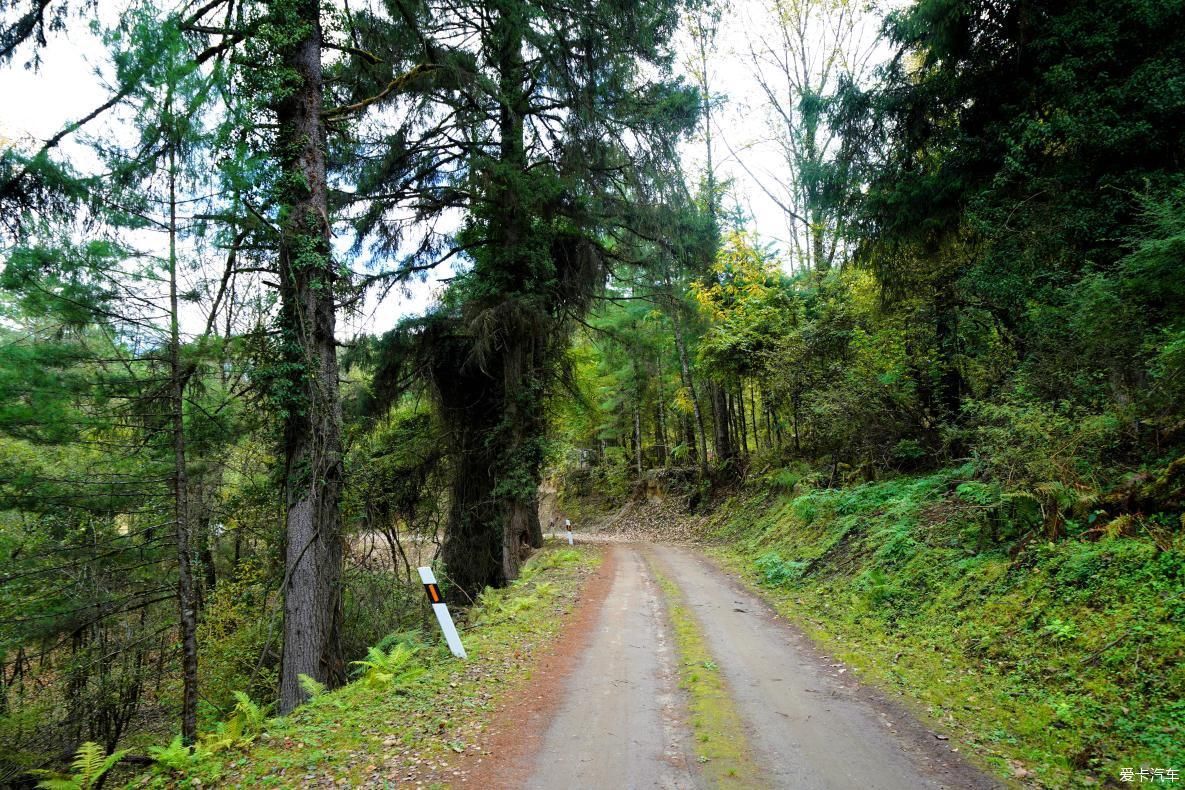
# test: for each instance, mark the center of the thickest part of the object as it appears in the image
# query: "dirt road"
(622, 723)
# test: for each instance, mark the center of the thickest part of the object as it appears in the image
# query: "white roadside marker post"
(568, 526)
(442, 616)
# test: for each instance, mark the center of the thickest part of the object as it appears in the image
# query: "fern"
(1123, 524)
(250, 714)
(89, 766)
(314, 688)
(390, 669)
(175, 757)
(247, 722)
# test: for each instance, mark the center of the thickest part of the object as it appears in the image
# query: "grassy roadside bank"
(1059, 666)
(414, 710)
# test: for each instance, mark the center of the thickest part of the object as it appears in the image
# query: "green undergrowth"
(1058, 664)
(720, 743)
(411, 706)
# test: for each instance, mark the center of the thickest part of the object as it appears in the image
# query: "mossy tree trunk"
(312, 423)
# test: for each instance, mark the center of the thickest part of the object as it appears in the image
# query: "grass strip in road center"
(721, 746)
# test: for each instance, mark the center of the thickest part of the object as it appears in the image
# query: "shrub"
(776, 571)
(377, 603)
(1026, 443)
(240, 637)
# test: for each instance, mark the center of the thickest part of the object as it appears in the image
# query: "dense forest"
(214, 491)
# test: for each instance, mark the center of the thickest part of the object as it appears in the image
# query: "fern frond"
(109, 763)
(311, 686)
(88, 762)
(176, 756)
(59, 784)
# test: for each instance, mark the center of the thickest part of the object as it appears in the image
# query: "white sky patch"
(68, 84)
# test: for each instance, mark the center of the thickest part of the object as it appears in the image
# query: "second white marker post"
(442, 614)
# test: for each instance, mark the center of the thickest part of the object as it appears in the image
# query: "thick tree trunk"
(536, 526)
(524, 460)
(516, 537)
(722, 435)
(186, 599)
(312, 430)
(472, 553)
(523, 353)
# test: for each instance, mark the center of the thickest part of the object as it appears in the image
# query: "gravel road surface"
(811, 725)
(621, 725)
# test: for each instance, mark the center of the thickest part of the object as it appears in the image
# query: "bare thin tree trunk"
(638, 437)
(185, 588)
(689, 382)
(753, 414)
(744, 427)
(771, 417)
(660, 415)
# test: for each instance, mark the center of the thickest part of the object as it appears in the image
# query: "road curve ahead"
(622, 723)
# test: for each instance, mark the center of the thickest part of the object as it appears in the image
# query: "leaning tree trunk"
(312, 428)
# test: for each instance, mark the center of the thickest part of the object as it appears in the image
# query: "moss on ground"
(1059, 666)
(720, 743)
(384, 733)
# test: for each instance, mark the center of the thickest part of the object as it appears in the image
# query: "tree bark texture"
(722, 434)
(312, 428)
(523, 352)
